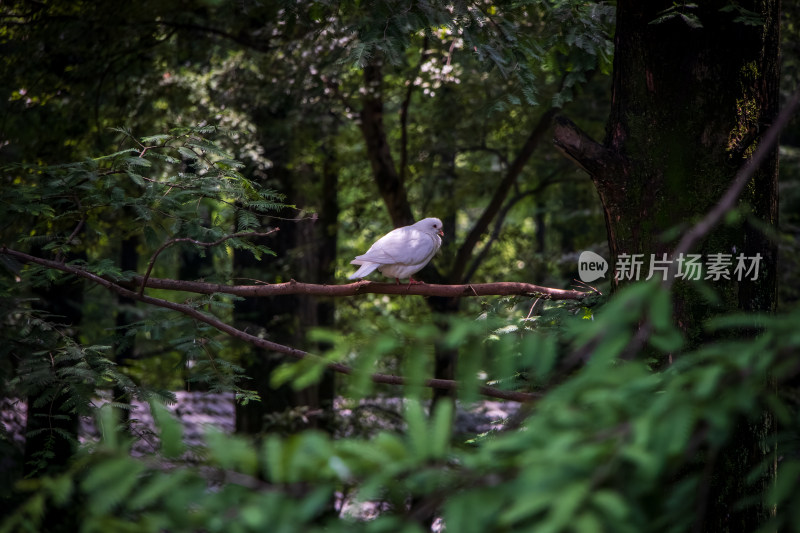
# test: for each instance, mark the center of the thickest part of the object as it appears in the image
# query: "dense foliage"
(615, 447)
(283, 139)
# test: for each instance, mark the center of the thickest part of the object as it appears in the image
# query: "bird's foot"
(412, 281)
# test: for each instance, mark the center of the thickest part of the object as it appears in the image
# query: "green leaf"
(61, 488)
(187, 153)
(669, 341)
(417, 430)
(539, 354)
(170, 429)
(231, 452)
(110, 482)
(274, 464)
(156, 139)
(157, 487)
(611, 504)
(786, 483)
(587, 522)
(441, 428)
(137, 161)
(136, 178)
(661, 309)
(116, 154)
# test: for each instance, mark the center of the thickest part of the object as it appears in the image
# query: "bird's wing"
(401, 246)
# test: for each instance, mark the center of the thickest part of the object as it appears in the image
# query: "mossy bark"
(695, 86)
(688, 106)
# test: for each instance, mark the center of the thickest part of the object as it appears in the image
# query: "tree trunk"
(51, 429)
(126, 315)
(693, 89)
(689, 104)
(387, 178)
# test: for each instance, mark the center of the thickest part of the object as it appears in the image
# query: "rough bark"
(692, 95)
(685, 116)
(688, 107)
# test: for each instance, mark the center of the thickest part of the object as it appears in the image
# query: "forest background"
(185, 183)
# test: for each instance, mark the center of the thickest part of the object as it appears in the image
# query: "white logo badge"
(591, 267)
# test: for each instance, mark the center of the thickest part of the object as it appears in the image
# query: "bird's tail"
(365, 270)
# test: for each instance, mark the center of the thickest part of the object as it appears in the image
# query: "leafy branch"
(254, 340)
(169, 243)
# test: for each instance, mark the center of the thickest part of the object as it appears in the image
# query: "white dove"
(402, 252)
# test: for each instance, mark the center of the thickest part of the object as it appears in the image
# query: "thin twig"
(78, 227)
(587, 286)
(530, 313)
(198, 243)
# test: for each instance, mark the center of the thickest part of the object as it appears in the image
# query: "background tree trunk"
(305, 249)
(51, 428)
(125, 316)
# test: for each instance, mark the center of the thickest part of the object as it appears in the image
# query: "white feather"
(365, 270)
(402, 252)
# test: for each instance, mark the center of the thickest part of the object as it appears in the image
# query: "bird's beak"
(441, 232)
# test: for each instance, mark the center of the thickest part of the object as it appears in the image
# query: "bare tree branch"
(496, 203)
(500, 219)
(503, 288)
(259, 342)
(607, 169)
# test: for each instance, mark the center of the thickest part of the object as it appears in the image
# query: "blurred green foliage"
(614, 446)
(273, 89)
